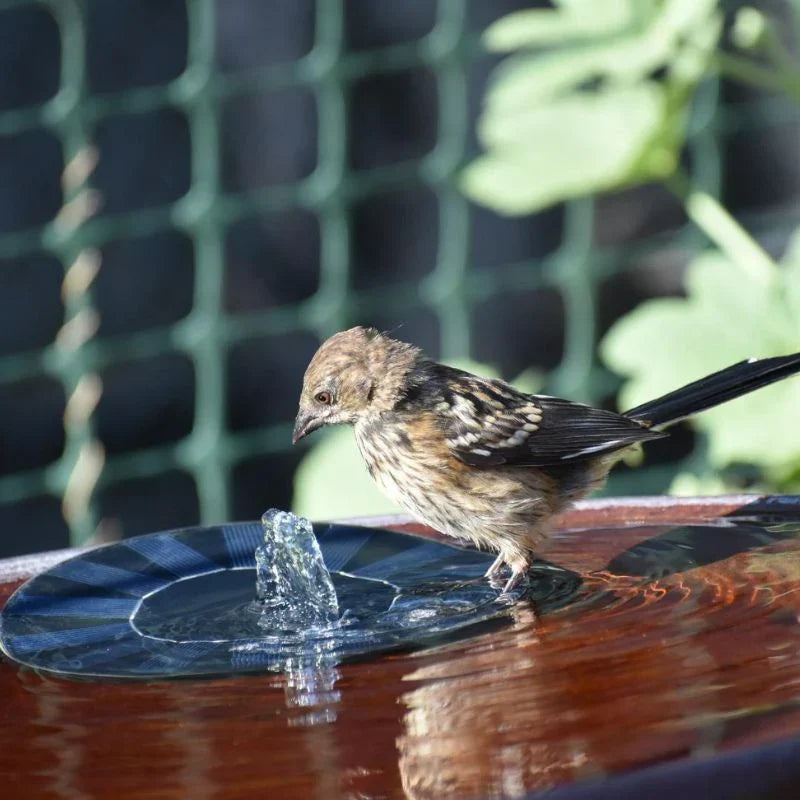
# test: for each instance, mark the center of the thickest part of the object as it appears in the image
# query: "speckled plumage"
(476, 458)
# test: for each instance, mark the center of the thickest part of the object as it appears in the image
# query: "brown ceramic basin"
(683, 643)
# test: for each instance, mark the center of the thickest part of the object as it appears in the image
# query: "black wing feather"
(573, 432)
(489, 422)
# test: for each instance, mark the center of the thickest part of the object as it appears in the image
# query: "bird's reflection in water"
(628, 667)
(467, 729)
(627, 674)
(631, 666)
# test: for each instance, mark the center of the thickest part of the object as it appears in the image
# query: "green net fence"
(576, 269)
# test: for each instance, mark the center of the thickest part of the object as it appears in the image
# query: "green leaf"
(475, 367)
(583, 144)
(540, 26)
(750, 27)
(687, 484)
(530, 380)
(679, 36)
(792, 261)
(588, 115)
(726, 317)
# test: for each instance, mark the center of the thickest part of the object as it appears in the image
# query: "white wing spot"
(464, 410)
(465, 440)
(517, 439)
(603, 445)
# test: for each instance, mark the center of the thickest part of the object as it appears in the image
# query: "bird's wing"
(488, 422)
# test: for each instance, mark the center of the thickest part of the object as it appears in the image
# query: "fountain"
(275, 596)
(683, 633)
(294, 590)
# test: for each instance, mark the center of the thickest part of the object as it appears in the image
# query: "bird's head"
(355, 373)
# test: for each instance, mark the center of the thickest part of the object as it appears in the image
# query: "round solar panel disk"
(182, 603)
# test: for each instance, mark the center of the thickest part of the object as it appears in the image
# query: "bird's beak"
(303, 425)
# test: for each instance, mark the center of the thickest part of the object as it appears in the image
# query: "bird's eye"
(326, 398)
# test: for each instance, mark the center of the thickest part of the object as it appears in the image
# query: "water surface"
(680, 640)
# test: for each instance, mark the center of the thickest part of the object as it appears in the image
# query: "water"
(309, 617)
(681, 639)
(246, 597)
(302, 618)
(294, 590)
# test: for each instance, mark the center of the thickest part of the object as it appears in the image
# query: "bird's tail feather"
(714, 389)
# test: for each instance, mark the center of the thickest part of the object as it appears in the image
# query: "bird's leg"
(497, 565)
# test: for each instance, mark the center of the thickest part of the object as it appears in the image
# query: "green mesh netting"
(576, 269)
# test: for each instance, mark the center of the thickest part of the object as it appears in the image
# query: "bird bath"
(680, 643)
(254, 597)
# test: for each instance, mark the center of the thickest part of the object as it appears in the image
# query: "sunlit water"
(294, 591)
(244, 597)
(676, 640)
(294, 610)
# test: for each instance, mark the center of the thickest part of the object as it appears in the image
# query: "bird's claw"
(518, 572)
(497, 582)
(505, 599)
(516, 577)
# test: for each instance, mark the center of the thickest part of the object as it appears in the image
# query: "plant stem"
(794, 8)
(747, 71)
(717, 223)
(776, 51)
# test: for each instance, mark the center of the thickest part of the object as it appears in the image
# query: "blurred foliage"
(595, 95)
(727, 314)
(738, 303)
(577, 108)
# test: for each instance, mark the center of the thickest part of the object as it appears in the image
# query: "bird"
(477, 459)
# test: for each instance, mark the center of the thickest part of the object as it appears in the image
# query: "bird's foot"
(519, 571)
(516, 578)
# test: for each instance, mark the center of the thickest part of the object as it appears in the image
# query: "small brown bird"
(474, 457)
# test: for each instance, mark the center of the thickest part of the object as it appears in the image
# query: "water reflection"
(176, 739)
(694, 650)
(689, 546)
(311, 687)
(60, 744)
(639, 668)
(309, 677)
